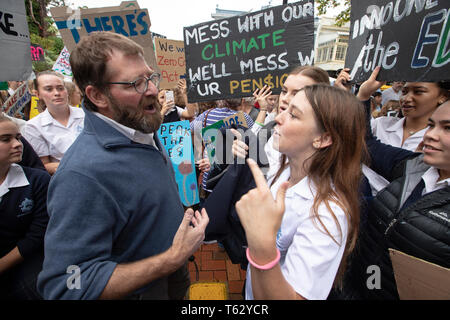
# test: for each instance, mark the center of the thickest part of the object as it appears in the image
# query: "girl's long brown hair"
(342, 116)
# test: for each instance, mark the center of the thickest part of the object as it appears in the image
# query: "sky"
(168, 17)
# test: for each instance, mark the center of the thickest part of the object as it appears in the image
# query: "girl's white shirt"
(309, 257)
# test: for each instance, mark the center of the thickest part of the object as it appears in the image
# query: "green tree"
(43, 32)
(343, 16)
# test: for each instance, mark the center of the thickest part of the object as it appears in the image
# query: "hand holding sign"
(260, 215)
(370, 86)
(239, 148)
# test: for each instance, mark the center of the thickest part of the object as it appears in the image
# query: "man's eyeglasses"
(141, 83)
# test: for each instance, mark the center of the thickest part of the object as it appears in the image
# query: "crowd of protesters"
(90, 207)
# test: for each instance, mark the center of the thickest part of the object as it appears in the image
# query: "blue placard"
(177, 141)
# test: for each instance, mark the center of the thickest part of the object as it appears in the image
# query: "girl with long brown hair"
(301, 229)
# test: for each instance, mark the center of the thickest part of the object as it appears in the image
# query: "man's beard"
(137, 118)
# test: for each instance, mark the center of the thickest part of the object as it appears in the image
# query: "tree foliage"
(343, 16)
(43, 32)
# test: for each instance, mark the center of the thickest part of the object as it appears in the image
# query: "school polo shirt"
(48, 137)
(389, 130)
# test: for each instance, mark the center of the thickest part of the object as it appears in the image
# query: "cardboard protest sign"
(17, 101)
(62, 64)
(37, 52)
(418, 279)
(409, 39)
(177, 141)
(34, 110)
(235, 56)
(171, 61)
(210, 133)
(15, 63)
(126, 19)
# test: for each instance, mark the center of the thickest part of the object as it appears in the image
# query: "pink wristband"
(267, 266)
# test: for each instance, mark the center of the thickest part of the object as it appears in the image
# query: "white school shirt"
(389, 130)
(430, 178)
(309, 257)
(132, 134)
(15, 178)
(48, 137)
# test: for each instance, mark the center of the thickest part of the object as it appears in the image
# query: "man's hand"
(190, 235)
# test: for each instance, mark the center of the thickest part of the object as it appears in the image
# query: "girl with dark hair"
(23, 195)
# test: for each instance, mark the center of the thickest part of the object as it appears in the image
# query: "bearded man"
(117, 228)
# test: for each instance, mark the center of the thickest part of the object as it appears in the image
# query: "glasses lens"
(155, 77)
(141, 85)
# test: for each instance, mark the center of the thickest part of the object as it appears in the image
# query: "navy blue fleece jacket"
(111, 201)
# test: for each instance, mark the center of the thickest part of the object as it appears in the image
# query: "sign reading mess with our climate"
(233, 57)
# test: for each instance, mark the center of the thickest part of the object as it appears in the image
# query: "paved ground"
(215, 265)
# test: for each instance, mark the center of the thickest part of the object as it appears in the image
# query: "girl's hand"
(260, 95)
(260, 215)
(204, 165)
(343, 80)
(370, 85)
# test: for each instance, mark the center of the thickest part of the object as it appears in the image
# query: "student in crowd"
(411, 213)
(302, 224)
(392, 106)
(392, 93)
(418, 101)
(23, 195)
(172, 112)
(74, 94)
(114, 208)
(297, 79)
(248, 106)
(223, 110)
(53, 131)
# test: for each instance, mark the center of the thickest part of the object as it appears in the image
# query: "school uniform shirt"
(309, 257)
(23, 210)
(389, 130)
(430, 178)
(49, 137)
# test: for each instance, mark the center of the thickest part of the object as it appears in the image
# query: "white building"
(331, 43)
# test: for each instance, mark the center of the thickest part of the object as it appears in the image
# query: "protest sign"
(171, 61)
(34, 110)
(62, 64)
(177, 141)
(235, 56)
(409, 39)
(418, 279)
(17, 101)
(126, 19)
(15, 63)
(210, 134)
(37, 52)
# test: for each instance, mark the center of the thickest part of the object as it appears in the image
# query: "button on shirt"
(48, 137)
(133, 135)
(14, 179)
(309, 257)
(389, 130)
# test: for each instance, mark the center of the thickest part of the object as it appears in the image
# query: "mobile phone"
(169, 95)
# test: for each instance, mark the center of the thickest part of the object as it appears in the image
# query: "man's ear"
(97, 97)
(323, 141)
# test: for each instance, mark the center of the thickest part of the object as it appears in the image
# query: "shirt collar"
(14, 179)
(132, 134)
(304, 188)
(430, 178)
(74, 113)
(397, 126)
